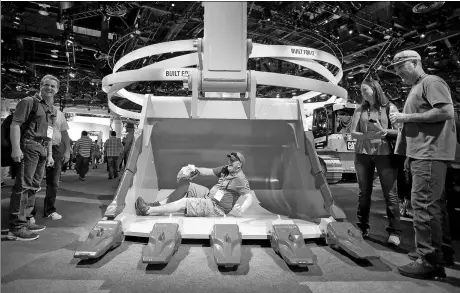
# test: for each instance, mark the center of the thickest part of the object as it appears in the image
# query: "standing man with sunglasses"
(198, 201)
(428, 140)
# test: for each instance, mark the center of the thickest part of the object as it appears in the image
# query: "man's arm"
(247, 202)
(15, 135)
(206, 171)
(66, 139)
(440, 112)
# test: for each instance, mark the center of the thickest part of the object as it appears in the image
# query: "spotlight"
(43, 10)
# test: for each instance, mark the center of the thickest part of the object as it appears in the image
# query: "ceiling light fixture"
(43, 9)
(54, 55)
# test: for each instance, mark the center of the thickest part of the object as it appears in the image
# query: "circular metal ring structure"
(176, 68)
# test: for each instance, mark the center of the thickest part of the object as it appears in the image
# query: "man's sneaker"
(154, 204)
(448, 259)
(54, 216)
(35, 227)
(141, 207)
(422, 270)
(394, 240)
(22, 234)
(81, 178)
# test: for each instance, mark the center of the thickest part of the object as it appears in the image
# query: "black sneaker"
(35, 227)
(422, 270)
(141, 207)
(448, 259)
(22, 234)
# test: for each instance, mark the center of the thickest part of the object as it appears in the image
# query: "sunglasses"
(234, 155)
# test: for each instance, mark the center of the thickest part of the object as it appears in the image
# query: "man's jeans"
(428, 202)
(53, 175)
(386, 168)
(112, 162)
(29, 175)
(82, 165)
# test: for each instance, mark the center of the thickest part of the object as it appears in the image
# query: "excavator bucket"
(281, 165)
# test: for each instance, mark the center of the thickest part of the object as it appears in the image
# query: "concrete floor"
(47, 264)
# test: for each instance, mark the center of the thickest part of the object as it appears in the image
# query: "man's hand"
(50, 161)
(17, 155)
(66, 157)
(398, 118)
(407, 164)
(237, 210)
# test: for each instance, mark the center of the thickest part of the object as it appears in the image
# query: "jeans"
(52, 181)
(82, 165)
(386, 168)
(428, 202)
(29, 175)
(112, 162)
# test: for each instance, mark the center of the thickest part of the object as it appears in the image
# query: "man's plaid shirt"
(113, 147)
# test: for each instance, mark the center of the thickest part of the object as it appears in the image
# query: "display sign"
(351, 145)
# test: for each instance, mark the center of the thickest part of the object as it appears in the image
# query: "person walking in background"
(428, 140)
(96, 154)
(371, 128)
(83, 153)
(128, 142)
(113, 148)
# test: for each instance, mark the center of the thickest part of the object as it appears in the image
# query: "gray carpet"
(47, 264)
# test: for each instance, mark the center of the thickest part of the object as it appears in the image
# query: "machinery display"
(331, 129)
(292, 200)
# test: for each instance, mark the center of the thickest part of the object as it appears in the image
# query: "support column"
(117, 125)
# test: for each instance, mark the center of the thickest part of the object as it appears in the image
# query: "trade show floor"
(47, 264)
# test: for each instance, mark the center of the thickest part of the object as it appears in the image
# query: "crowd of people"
(421, 139)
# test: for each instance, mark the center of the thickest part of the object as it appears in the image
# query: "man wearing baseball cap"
(198, 201)
(428, 140)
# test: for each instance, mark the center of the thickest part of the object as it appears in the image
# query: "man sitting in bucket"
(198, 201)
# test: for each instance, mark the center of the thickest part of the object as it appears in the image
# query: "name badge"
(219, 195)
(49, 132)
(377, 140)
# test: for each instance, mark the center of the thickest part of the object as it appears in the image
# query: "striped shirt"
(113, 147)
(84, 146)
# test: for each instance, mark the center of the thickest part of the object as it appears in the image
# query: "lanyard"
(420, 78)
(380, 114)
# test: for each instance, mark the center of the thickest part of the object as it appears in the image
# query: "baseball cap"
(405, 56)
(237, 155)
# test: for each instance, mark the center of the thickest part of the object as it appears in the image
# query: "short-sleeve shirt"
(232, 186)
(38, 126)
(427, 141)
(375, 146)
(59, 126)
